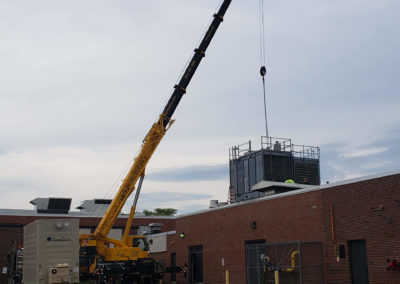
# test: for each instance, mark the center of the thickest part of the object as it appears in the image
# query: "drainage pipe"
(293, 260)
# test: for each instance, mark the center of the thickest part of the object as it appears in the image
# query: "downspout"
(332, 222)
(335, 246)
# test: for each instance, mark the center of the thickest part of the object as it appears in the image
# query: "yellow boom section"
(148, 147)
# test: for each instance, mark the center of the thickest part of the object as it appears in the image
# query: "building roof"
(306, 189)
(310, 188)
(23, 212)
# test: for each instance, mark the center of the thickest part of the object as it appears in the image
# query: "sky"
(83, 81)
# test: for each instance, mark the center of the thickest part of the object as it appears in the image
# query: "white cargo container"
(51, 251)
(158, 242)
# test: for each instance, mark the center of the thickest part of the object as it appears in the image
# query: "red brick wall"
(8, 233)
(302, 217)
(223, 233)
(355, 218)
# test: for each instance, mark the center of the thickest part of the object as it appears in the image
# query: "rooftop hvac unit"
(278, 160)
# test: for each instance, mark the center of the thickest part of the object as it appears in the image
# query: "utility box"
(51, 251)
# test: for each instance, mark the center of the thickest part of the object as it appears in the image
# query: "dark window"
(342, 251)
(102, 201)
(59, 203)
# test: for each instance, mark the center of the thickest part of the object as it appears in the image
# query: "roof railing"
(276, 144)
(240, 150)
(306, 152)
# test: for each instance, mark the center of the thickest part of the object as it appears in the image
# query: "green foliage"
(160, 212)
(148, 212)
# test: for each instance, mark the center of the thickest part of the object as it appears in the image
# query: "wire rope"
(263, 70)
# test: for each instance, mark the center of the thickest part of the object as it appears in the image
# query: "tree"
(148, 212)
(160, 212)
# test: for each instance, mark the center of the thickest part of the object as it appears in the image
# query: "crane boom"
(159, 128)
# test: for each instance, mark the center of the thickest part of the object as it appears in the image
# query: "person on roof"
(277, 146)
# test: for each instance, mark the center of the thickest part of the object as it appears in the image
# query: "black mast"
(199, 53)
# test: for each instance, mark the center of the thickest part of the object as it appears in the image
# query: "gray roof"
(21, 212)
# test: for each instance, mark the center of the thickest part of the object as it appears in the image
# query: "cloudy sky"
(82, 82)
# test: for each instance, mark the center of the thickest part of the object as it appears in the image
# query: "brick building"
(343, 232)
(335, 233)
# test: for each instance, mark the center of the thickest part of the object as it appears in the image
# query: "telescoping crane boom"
(124, 249)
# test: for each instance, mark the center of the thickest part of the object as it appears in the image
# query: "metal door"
(196, 264)
(173, 263)
(358, 258)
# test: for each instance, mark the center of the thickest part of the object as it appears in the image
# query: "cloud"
(377, 165)
(192, 208)
(184, 202)
(192, 173)
(363, 152)
(79, 95)
(171, 196)
(378, 153)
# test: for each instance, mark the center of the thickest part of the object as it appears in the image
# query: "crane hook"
(263, 71)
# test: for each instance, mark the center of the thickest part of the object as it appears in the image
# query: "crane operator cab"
(140, 242)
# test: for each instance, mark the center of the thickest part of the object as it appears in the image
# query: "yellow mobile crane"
(129, 257)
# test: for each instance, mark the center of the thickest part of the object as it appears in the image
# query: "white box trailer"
(51, 251)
